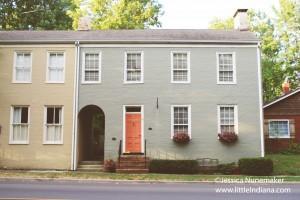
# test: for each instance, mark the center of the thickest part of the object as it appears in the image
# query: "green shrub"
(256, 166)
(294, 148)
(229, 168)
(174, 166)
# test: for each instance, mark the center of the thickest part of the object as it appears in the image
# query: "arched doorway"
(91, 128)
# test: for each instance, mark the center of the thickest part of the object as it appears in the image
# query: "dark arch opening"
(91, 126)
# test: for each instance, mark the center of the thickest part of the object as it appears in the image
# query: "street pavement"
(114, 190)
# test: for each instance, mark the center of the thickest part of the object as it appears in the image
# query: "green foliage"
(229, 168)
(280, 44)
(124, 14)
(294, 148)
(285, 164)
(38, 14)
(218, 23)
(256, 166)
(174, 166)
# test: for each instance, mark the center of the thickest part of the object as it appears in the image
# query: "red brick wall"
(288, 108)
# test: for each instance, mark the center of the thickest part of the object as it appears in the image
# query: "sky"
(198, 14)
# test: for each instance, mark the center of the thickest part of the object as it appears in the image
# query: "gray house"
(137, 89)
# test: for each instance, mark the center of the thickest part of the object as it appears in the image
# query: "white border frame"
(125, 68)
(279, 120)
(45, 122)
(14, 66)
(11, 127)
(234, 68)
(188, 67)
(142, 128)
(236, 117)
(189, 118)
(83, 67)
(47, 66)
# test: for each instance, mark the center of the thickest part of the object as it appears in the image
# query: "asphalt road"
(27, 189)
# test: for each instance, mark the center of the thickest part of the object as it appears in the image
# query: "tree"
(218, 23)
(280, 45)
(123, 14)
(38, 14)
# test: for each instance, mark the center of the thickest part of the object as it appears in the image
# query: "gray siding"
(203, 94)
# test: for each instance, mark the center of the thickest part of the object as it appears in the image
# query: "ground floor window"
(279, 129)
(227, 115)
(53, 125)
(19, 125)
(181, 119)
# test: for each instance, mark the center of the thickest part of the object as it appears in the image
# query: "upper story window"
(180, 63)
(181, 119)
(22, 67)
(53, 125)
(228, 121)
(226, 68)
(19, 125)
(56, 67)
(279, 129)
(91, 70)
(133, 70)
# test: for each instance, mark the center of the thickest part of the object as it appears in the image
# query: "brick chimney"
(241, 20)
(285, 87)
(84, 24)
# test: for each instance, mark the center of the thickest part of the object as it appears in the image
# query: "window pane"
(180, 75)
(91, 75)
(227, 119)
(279, 129)
(17, 115)
(226, 67)
(180, 115)
(22, 68)
(134, 66)
(24, 117)
(133, 109)
(50, 115)
(57, 115)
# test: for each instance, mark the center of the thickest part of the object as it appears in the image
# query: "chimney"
(84, 24)
(241, 20)
(285, 87)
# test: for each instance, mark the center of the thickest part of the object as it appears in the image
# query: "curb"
(2, 179)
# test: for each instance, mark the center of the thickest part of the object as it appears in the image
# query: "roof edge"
(282, 98)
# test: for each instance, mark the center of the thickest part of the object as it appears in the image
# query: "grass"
(286, 164)
(136, 177)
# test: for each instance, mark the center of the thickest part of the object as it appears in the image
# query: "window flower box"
(181, 138)
(228, 137)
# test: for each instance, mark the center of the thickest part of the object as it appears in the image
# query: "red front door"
(133, 133)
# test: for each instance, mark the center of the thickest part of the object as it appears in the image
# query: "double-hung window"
(53, 125)
(180, 62)
(133, 72)
(228, 119)
(279, 129)
(56, 67)
(226, 68)
(19, 125)
(91, 72)
(22, 67)
(181, 119)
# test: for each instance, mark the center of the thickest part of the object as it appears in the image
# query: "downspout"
(75, 108)
(261, 114)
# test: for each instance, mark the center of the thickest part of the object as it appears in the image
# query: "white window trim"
(189, 119)
(11, 141)
(14, 67)
(45, 123)
(188, 67)
(236, 118)
(47, 70)
(142, 127)
(83, 81)
(234, 69)
(125, 68)
(276, 120)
